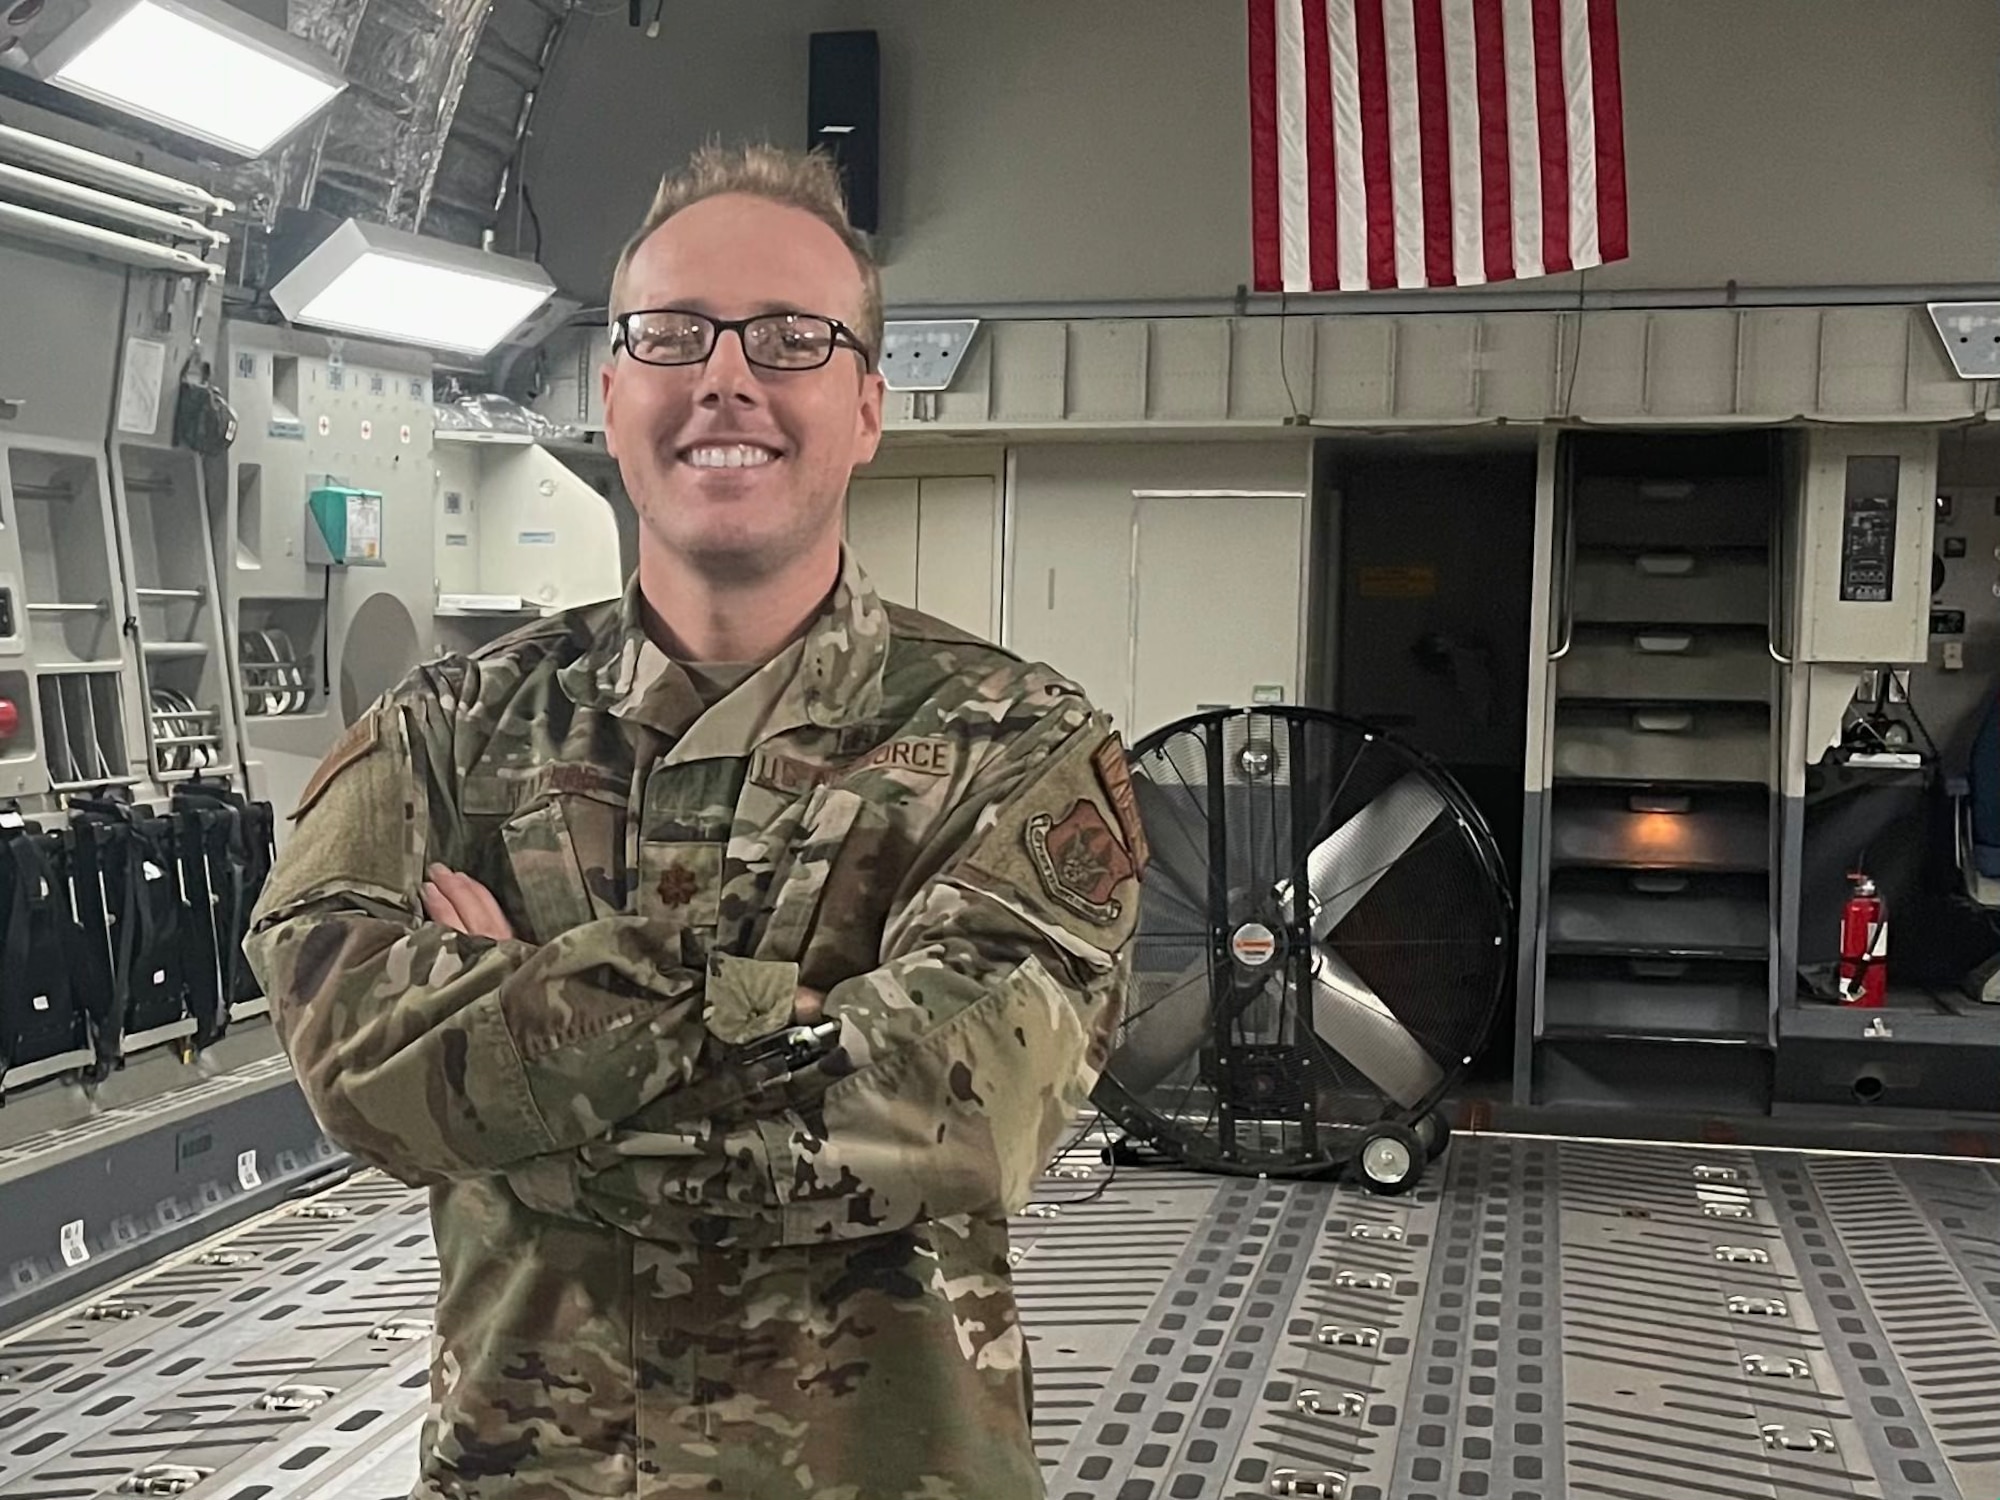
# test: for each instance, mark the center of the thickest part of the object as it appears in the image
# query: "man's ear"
(604, 379)
(868, 420)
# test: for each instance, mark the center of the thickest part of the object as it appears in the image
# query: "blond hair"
(806, 181)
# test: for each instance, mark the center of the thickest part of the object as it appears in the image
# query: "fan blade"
(1351, 1019)
(1166, 1028)
(1344, 867)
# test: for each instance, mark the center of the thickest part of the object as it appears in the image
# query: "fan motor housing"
(1265, 1082)
(1253, 945)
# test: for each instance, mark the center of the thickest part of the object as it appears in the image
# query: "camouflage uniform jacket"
(668, 1269)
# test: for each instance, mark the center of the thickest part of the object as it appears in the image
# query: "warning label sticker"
(1418, 581)
(1253, 944)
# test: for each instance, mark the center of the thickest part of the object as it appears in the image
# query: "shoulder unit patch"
(362, 736)
(1080, 861)
(1115, 772)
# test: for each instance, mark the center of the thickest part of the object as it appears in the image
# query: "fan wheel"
(1434, 1130)
(1324, 941)
(1391, 1159)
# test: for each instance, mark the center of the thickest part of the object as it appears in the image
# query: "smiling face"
(738, 471)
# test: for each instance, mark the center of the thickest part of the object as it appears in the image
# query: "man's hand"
(464, 905)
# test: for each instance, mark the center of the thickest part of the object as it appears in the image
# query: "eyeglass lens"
(780, 341)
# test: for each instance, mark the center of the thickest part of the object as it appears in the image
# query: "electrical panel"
(1864, 527)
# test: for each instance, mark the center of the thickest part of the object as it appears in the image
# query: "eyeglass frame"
(843, 338)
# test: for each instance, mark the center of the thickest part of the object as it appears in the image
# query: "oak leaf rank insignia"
(678, 886)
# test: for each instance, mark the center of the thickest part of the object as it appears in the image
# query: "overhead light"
(382, 283)
(201, 67)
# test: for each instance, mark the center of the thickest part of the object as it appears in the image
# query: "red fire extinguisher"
(1864, 946)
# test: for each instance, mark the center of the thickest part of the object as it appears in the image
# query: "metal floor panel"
(1540, 1319)
(30, 1153)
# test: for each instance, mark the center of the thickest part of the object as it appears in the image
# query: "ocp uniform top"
(663, 1271)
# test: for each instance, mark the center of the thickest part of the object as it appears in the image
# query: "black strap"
(125, 874)
(197, 827)
(107, 837)
(33, 969)
(252, 847)
(15, 977)
(204, 825)
(229, 937)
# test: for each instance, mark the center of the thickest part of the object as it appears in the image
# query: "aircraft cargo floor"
(1543, 1318)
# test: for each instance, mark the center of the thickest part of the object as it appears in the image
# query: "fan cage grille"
(1225, 1061)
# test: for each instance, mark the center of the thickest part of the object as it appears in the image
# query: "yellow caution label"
(1416, 582)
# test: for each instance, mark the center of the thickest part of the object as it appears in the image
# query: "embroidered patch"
(578, 778)
(931, 757)
(362, 736)
(678, 886)
(788, 774)
(1116, 773)
(1080, 861)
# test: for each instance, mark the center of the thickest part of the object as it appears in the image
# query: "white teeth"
(734, 456)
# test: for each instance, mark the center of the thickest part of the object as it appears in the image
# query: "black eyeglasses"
(772, 341)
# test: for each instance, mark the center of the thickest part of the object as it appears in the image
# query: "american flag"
(1412, 143)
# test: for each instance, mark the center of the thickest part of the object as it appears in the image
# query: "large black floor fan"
(1324, 942)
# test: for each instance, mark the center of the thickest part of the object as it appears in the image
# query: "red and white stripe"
(1412, 143)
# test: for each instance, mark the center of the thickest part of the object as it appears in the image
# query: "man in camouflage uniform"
(726, 960)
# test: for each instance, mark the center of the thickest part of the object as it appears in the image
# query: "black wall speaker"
(844, 116)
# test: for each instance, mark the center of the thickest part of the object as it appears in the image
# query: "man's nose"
(728, 375)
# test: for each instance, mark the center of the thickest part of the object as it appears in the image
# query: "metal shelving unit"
(64, 581)
(174, 612)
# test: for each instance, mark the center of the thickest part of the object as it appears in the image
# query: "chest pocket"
(566, 855)
(831, 895)
(680, 849)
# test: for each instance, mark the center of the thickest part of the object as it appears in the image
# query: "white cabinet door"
(1069, 591)
(932, 544)
(1215, 603)
(957, 532)
(882, 531)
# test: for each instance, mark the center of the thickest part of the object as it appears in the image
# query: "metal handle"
(1653, 883)
(1656, 802)
(10, 407)
(1665, 564)
(1772, 594)
(1666, 489)
(1567, 616)
(1657, 968)
(1658, 721)
(1663, 645)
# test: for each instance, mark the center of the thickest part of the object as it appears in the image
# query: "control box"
(1863, 534)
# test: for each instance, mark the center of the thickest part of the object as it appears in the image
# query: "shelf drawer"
(1669, 742)
(1659, 913)
(1670, 588)
(1643, 999)
(1650, 664)
(1717, 832)
(1673, 513)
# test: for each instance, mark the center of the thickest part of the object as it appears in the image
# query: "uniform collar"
(831, 676)
(846, 650)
